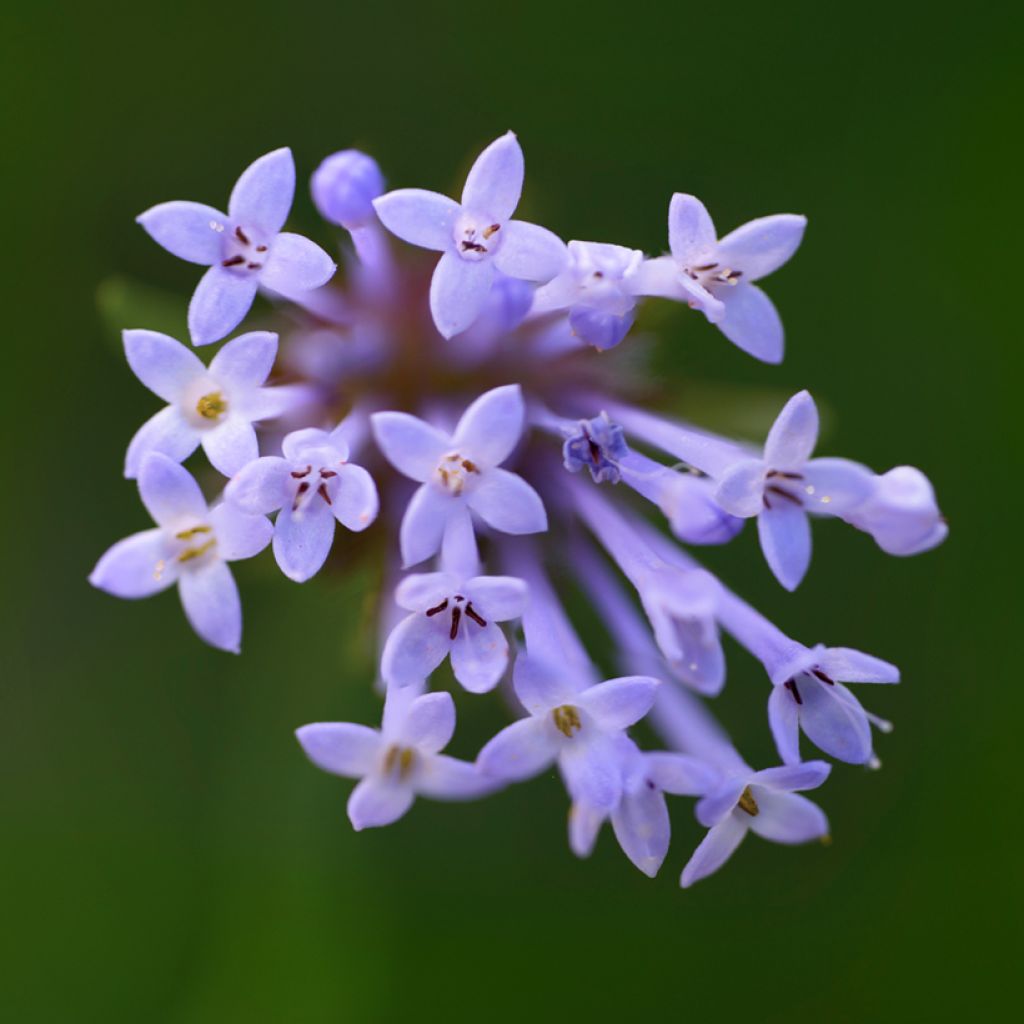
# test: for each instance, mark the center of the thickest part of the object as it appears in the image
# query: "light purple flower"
(640, 818)
(901, 513)
(455, 616)
(807, 693)
(313, 485)
(761, 802)
(459, 473)
(397, 763)
(245, 248)
(190, 546)
(476, 236)
(782, 486)
(344, 187)
(577, 726)
(598, 288)
(717, 277)
(597, 445)
(214, 407)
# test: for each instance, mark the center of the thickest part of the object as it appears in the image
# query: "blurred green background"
(169, 855)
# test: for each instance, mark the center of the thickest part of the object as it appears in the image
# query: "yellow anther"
(211, 406)
(189, 553)
(748, 803)
(567, 719)
(187, 534)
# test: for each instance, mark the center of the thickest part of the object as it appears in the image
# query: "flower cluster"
(469, 389)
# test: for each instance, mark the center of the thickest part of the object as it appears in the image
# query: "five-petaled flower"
(398, 762)
(476, 236)
(190, 546)
(245, 248)
(313, 485)
(459, 473)
(215, 407)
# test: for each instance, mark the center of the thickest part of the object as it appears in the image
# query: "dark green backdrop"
(168, 854)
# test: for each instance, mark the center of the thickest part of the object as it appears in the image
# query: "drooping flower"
(717, 276)
(398, 762)
(245, 248)
(313, 485)
(476, 236)
(459, 473)
(191, 546)
(901, 513)
(215, 407)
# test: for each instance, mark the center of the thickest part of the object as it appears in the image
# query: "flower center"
(567, 720)
(193, 545)
(244, 251)
(212, 406)
(779, 484)
(459, 606)
(747, 803)
(476, 237)
(708, 275)
(453, 472)
(312, 485)
(814, 673)
(598, 446)
(399, 761)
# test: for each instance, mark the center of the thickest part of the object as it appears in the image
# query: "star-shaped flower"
(782, 486)
(452, 616)
(190, 546)
(313, 485)
(576, 725)
(245, 248)
(460, 472)
(762, 802)
(476, 236)
(717, 276)
(397, 763)
(807, 693)
(215, 407)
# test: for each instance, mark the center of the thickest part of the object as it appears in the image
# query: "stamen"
(299, 475)
(824, 678)
(326, 474)
(437, 608)
(473, 247)
(487, 232)
(253, 266)
(401, 758)
(189, 553)
(475, 616)
(567, 720)
(748, 803)
(322, 491)
(456, 618)
(233, 261)
(241, 236)
(187, 534)
(784, 494)
(790, 685)
(211, 406)
(707, 266)
(261, 248)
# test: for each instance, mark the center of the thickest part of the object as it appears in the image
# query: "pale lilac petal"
(262, 196)
(619, 703)
(702, 661)
(784, 722)
(834, 721)
(508, 503)
(300, 443)
(850, 666)
(715, 849)
(691, 232)
(412, 446)
(787, 818)
(296, 265)
(793, 434)
(424, 523)
(541, 687)
(751, 322)
(902, 514)
(713, 808)
(495, 181)
(231, 445)
(491, 427)
(458, 291)
(520, 751)
(302, 539)
(166, 432)
(270, 403)
(479, 656)
(414, 648)
(163, 364)
(190, 231)
(679, 774)
(376, 802)
(419, 217)
(584, 824)
(356, 502)
(740, 491)
(835, 486)
(762, 245)
(789, 777)
(658, 277)
(136, 566)
(219, 304)
(498, 598)
(785, 535)
(341, 748)
(246, 361)
(697, 296)
(262, 486)
(530, 252)
(212, 605)
(642, 827)
(169, 491)
(429, 724)
(421, 591)
(446, 778)
(591, 769)
(239, 534)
